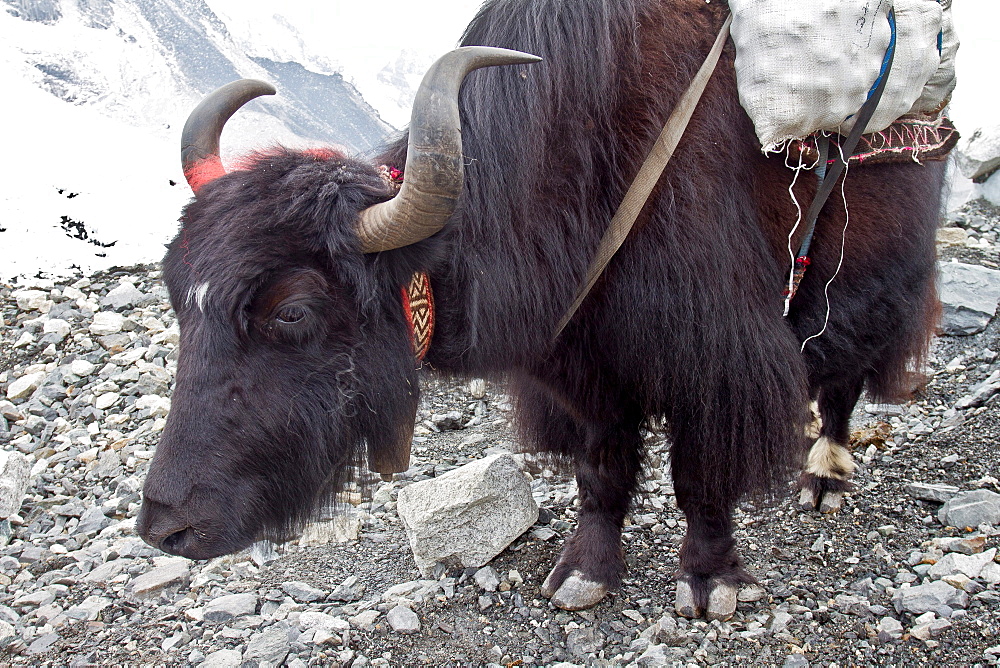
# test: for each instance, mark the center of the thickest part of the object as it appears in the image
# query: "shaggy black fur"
(685, 326)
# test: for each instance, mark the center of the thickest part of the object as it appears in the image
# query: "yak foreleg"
(591, 563)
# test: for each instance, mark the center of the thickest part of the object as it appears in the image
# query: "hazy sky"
(363, 36)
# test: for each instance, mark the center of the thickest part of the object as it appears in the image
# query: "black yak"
(296, 358)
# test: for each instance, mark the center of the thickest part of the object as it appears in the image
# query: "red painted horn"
(200, 138)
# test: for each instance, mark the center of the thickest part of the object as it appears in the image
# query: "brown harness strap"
(650, 172)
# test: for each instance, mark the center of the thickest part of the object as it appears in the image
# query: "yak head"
(295, 363)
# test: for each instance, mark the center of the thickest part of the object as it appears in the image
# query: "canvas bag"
(808, 66)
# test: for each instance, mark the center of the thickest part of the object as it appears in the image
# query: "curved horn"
(434, 170)
(200, 138)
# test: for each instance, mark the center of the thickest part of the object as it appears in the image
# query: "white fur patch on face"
(198, 294)
(828, 459)
(815, 427)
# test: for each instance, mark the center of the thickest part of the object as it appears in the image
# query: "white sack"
(808, 66)
(938, 90)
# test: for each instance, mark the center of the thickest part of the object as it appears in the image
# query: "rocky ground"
(86, 366)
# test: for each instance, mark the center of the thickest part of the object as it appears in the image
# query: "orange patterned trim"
(418, 306)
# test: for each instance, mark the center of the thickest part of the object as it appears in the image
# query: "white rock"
(364, 620)
(126, 294)
(469, 515)
(270, 645)
(970, 509)
(226, 608)
(106, 322)
(403, 620)
(969, 296)
(32, 300)
(81, 368)
(979, 152)
(927, 597)
(57, 326)
(15, 473)
(24, 386)
(891, 626)
(224, 658)
(158, 406)
(174, 573)
(320, 620)
(477, 388)
(106, 400)
(968, 565)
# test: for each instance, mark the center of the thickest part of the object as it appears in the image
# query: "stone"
(321, 620)
(225, 609)
(25, 386)
(270, 645)
(891, 627)
(468, 515)
(978, 154)
(58, 327)
(930, 629)
(89, 609)
(15, 474)
(156, 405)
(364, 620)
(105, 401)
(661, 655)
(487, 578)
(974, 545)
(403, 620)
(980, 393)
(106, 322)
(929, 597)
(82, 368)
(223, 658)
(952, 236)
(7, 633)
(970, 509)
(931, 492)
(303, 592)
(969, 296)
(795, 661)
(124, 295)
(477, 388)
(969, 565)
(32, 300)
(92, 521)
(170, 576)
(106, 571)
(780, 621)
(43, 643)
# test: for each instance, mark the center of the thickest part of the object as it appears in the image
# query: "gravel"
(86, 368)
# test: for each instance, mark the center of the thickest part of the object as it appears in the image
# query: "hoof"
(831, 502)
(575, 593)
(721, 601)
(685, 605)
(815, 497)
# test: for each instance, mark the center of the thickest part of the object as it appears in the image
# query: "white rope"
(798, 220)
(843, 245)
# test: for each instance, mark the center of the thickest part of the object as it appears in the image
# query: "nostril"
(175, 542)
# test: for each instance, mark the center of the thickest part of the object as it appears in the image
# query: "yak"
(297, 359)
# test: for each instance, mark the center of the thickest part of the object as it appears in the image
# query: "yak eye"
(291, 314)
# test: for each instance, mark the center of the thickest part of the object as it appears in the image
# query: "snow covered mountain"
(98, 91)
